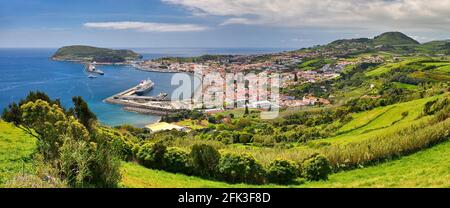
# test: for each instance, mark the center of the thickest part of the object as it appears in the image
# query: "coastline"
(133, 65)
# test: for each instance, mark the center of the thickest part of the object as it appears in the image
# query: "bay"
(24, 70)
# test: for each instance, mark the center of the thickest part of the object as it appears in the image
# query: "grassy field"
(365, 126)
(379, 120)
(388, 67)
(428, 168)
(443, 69)
(404, 86)
(193, 124)
(136, 176)
(16, 148)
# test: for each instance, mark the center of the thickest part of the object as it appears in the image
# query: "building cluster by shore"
(285, 64)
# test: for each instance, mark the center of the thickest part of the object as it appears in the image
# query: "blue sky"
(214, 23)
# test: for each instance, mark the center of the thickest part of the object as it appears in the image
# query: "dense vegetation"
(88, 53)
(71, 149)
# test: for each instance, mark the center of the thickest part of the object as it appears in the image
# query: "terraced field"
(405, 86)
(427, 168)
(379, 120)
(388, 67)
(441, 67)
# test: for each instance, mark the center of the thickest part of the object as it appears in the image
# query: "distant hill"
(436, 47)
(89, 53)
(394, 42)
(385, 39)
(394, 38)
(352, 41)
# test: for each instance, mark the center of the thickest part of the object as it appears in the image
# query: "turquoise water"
(23, 70)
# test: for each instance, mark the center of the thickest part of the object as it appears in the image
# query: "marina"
(134, 100)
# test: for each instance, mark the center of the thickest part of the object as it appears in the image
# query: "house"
(163, 126)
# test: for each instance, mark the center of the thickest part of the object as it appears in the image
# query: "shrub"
(316, 168)
(245, 138)
(151, 155)
(177, 161)
(240, 168)
(204, 159)
(227, 137)
(81, 155)
(282, 171)
(122, 142)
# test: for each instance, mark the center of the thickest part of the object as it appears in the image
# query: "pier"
(155, 105)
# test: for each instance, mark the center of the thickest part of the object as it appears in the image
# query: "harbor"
(134, 100)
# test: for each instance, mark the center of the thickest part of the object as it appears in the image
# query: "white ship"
(92, 69)
(144, 87)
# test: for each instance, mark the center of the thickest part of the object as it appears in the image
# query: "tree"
(82, 112)
(82, 158)
(13, 112)
(49, 125)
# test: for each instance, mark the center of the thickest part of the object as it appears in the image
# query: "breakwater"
(154, 105)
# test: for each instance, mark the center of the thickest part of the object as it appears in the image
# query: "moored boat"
(144, 87)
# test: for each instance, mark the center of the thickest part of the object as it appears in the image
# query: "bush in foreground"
(177, 161)
(79, 154)
(316, 168)
(204, 159)
(151, 155)
(240, 169)
(282, 171)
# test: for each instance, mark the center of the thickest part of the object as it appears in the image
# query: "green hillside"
(380, 120)
(394, 38)
(16, 148)
(428, 168)
(89, 53)
(436, 47)
(395, 42)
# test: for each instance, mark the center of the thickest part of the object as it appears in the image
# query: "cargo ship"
(144, 87)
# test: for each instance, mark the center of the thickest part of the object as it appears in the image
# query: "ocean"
(24, 70)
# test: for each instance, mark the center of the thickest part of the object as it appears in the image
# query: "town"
(287, 64)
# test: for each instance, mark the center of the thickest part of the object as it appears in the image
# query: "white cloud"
(301, 40)
(420, 14)
(242, 21)
(145, 26)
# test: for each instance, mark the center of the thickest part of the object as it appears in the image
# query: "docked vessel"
(144, 87)
(92, 69)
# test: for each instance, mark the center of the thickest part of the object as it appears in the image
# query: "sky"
(214, 23)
